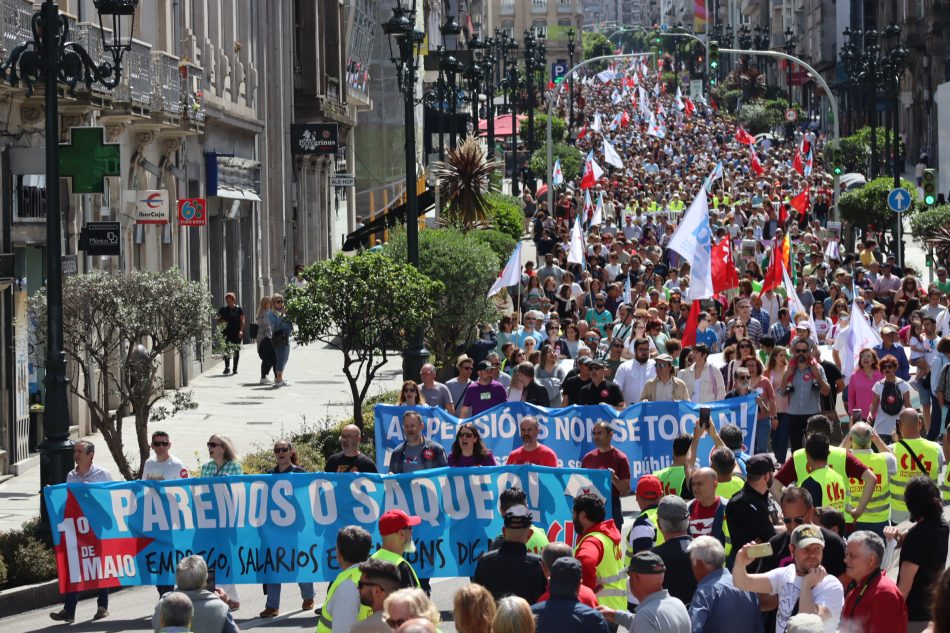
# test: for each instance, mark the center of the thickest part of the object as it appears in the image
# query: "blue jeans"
(763, 428)
(273, 594)
(281, 354)
(72, 599)
(780, 437)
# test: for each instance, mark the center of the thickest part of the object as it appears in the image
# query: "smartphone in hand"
(210, 584)
(704, 417)
(760, 550)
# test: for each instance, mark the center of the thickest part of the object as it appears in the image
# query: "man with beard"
(395, 528)
(378, 579)
(632, 375)
(531, 451)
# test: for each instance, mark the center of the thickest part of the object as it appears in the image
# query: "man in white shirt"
(634, 373)
(804, 583)
(163, 467)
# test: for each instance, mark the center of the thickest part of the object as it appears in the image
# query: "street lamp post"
(529, 65)
(51, 58)
(404, 44)
(570, 64)
(789, 46)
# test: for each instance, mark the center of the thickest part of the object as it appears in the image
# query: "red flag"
(624, 118)
(582, 133)
(797, 164)
(800, 202)
(713, 104)
(724, 272)
(551, 85)
(744, 137)
(692, 323)
(774, 276)
(754, 162)
(690, 106)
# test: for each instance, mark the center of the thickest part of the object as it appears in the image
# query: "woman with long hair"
(549, 372)
(822, 324)
(745, 349)
(507, 332)
(410, 395)
(531, 300)
(474, 609)
(572, 340)
(767, 416)
(224, 462)
(468, 448)
(565, 303)
(513, 615)
(286, 461)
(282, 329)
(554, 340)
(775, 372)
(865, 376)
(265, 346)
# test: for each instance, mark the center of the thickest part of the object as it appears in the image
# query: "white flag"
(511, 275)
(597, 125)
(860, 336)
(611, 157)
(557, 177)
(693, 242)
(795, 304)
(606, 76)
(598, 217)
(576, 253)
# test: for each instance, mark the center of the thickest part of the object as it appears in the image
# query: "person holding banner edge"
(287, 461)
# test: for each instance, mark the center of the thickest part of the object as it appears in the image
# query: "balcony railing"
(137, 82)
(15, 16)
(166, 96)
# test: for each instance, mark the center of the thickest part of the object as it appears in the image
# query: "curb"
(31, 597)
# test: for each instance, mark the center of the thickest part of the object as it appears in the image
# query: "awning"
(389, 219)
(502, 125)
(237, 194)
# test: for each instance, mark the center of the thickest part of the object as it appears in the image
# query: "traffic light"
(714, 55)
(930, 187)
(837, 164)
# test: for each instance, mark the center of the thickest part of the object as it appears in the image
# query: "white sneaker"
(265, 381)
(282, 383)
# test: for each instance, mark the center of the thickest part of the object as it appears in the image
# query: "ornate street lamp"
(452, 67)
(405, 42)
(570, 65)
(51, 58)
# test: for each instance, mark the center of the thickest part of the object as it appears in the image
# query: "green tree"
(569, 155)
(558, 128)
(466, 268)
(925, 223)
(505, 214)
(866, 208)
(755, 118)
(856, 149)
(596, 45)
(500, 243)
(117, 329)
(364, 306)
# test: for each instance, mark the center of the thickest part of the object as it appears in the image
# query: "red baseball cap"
(649, 487)
(393, 521)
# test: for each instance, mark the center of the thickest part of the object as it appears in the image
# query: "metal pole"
(552, 98)
(570, 121)
(57, 449)
(513, 84)
(895, 144)
(453, 94)
(490, 114)
(440, 94)
(416, 354)
(872, 108)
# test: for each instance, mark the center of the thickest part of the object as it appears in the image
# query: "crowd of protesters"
(799, 542)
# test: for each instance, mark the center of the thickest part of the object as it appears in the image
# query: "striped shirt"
(210, 469)
(95, 474)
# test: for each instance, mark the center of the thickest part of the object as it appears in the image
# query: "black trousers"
(266, 351)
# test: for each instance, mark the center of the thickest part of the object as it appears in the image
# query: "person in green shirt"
(516, 497)
(673, 477)
(943, 282)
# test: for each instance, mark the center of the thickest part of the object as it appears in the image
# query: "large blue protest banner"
(644, 432)
(282, 528)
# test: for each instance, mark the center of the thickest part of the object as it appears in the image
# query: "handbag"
(252, 330)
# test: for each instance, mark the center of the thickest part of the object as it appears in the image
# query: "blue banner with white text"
(283, 528)
(644, 432)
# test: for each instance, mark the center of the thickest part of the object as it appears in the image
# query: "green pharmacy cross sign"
(88, 160)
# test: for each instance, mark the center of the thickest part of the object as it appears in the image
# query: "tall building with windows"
(552, 17)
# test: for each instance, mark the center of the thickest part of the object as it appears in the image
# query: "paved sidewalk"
(252, 415)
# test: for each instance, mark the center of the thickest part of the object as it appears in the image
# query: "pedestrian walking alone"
(231, 315)
(280, 337)
(264, 339)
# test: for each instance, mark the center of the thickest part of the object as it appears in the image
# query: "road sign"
(899, 200)
(791, 115)
(558, 70)
(342, 180)
(70, 265)
(102, 238)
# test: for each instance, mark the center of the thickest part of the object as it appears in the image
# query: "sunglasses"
(888, 366)
(214, 445)
(281, 449)
(161, 443)
(796, 520)
(395, 624)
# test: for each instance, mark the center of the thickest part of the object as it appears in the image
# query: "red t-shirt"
(853, 466)
(701, 518)
(881, 609)
(541, 456)
(586, 596)
(608, 459)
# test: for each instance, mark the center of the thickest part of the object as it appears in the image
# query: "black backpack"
(892, 401)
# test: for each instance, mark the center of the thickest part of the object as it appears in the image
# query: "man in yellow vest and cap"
(915, 456)
(795, 469)
(884, 466)
(378, 580)
(827, 488)
(342, 608)
(395, 528)
(599, 551)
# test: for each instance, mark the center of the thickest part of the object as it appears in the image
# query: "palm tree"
(749, 80)
(464, 182)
